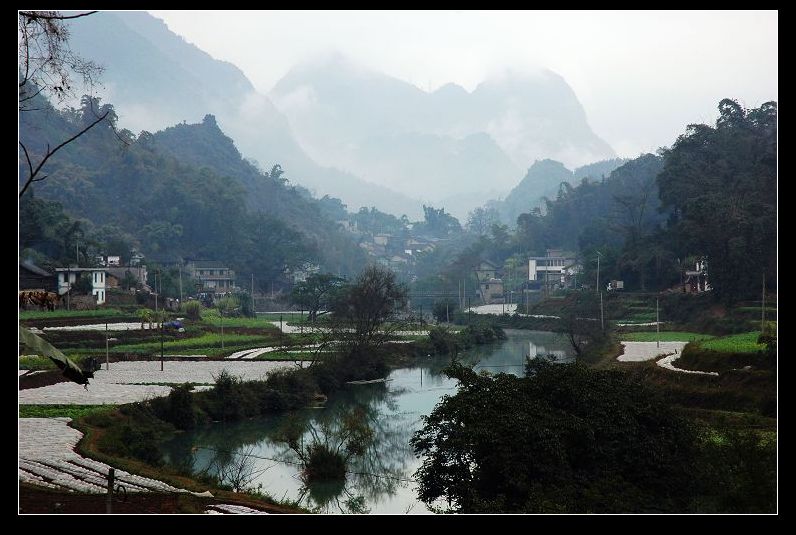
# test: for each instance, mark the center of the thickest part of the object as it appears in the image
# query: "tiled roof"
(30, 266)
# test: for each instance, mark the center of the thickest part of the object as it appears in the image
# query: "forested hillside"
(182, 193)
(712, 195)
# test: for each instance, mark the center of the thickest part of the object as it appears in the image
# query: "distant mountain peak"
(450, 89)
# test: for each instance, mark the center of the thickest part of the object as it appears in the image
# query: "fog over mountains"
(340, 129)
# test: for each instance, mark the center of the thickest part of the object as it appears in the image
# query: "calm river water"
(382, 479)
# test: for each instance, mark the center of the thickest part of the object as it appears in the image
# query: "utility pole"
(469, 312)
(658, 322)
(161, 342)
(598, 270)
(157, 272)
(763, 312)
(602, 321)
(180, 285)
(107, 366)
(221, 313)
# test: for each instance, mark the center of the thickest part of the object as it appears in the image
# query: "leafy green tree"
(145, 315)
(83, 284)
(481, 219)
(437, 223)
(377, 222)
(193, 309)
(566, 438)
(161, 235)
(316, 293)
(444, 310)
(721, 185)
(246, 304)
(128, 281)
(365, 312)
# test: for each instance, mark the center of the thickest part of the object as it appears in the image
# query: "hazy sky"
(641, 76)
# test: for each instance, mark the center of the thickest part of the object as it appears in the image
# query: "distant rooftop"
(208, 264)
(30, 266)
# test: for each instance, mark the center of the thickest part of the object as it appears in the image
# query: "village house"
(302, 273)
(696, 280)
(32, 277)
(214, 276)
(486, 270)
(69, 276)
(491, 291)
(556, 270)
(490, 285)
(117, 274)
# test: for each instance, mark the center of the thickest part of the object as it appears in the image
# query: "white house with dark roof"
(69, 276)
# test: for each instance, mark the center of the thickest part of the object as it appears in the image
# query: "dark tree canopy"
(317, 292)
(566, 438)
(721, 183)
(364, 307)
(437, 223)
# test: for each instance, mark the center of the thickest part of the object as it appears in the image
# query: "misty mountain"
(434, 145)
(185, 191)
(157, 79)
(544, 179)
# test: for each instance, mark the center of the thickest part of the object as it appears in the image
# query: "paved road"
(641, 351)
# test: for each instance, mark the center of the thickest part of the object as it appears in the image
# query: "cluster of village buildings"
(110, 273)
(556, 270)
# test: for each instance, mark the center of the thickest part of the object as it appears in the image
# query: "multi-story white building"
(557, 269)
(69, 276)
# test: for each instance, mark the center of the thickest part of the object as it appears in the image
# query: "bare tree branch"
(35, 16)
(49, 153)
(27, 157)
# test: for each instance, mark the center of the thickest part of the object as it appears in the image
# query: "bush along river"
(257, 453)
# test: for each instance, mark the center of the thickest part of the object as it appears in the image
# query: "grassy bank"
(58, 411)
(60, 314)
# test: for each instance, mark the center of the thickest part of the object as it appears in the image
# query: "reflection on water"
(380, 481)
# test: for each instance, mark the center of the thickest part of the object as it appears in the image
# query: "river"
(381, 481)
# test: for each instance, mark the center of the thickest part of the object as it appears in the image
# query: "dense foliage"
(564, 439)
(712, 196)
(568, 438)
(182, 193)
(721, 185)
